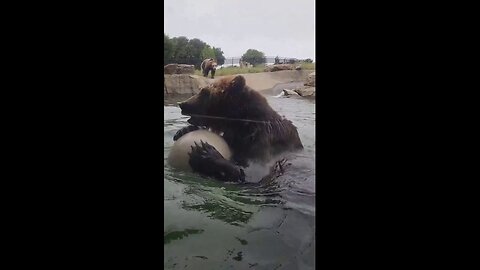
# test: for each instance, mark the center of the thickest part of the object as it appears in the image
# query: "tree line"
(182, 50)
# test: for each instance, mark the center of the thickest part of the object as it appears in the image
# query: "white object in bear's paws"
(178, 156)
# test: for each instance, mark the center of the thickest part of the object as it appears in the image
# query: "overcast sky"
(276, 27)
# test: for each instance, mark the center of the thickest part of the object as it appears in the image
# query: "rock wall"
(310, 79)
(189, 84)
(178, 69)
(307, 90)
(183, 83)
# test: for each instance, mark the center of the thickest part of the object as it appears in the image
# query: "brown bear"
(252, 129)
(207, 66)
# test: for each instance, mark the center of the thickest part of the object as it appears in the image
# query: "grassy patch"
(308, 66)
(234, 70)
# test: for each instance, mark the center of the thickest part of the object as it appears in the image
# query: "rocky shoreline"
(189, 84)
(307, 90)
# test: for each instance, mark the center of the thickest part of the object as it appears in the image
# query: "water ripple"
(205, 217)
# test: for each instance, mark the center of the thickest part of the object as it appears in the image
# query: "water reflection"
(176, 235)
(231, 203)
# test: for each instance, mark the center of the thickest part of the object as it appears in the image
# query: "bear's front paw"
(203, 155)
(205, 159)
(184, 131)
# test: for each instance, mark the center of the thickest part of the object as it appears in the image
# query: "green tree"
(194, 52)
(219, 56)
(181, 50)
(208, 52)
(168, 49)
(254, 57)
(180, 55)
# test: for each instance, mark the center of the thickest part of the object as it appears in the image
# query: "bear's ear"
(237, 83)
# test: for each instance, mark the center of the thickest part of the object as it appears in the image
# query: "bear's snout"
(185, 107)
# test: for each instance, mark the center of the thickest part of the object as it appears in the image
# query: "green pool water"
(213, 225)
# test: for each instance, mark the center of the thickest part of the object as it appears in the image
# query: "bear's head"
(212, 63)
(226, 98)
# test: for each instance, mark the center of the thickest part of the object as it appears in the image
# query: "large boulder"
(306, 91)
(310, 79)
(178, 69)
(290, 92)
(184, 84)
(279, 67)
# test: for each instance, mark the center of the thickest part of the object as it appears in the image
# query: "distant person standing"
(208, 65)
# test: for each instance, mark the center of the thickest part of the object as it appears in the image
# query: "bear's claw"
(205, 159)
(184, 131)
(276, 171)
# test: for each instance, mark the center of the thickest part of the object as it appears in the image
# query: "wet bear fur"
(252, 129)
